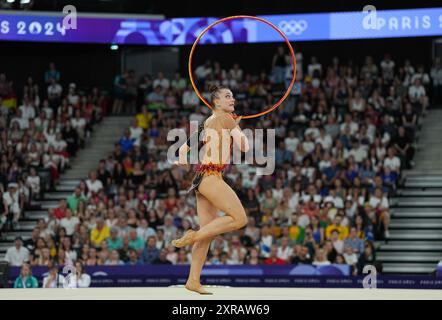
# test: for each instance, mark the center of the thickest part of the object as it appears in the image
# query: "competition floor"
(219, 293)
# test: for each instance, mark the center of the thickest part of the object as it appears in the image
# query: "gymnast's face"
(225, 100)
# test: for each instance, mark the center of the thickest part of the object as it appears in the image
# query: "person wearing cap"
(17, 254)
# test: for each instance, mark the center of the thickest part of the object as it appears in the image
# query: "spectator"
(320, 258)
(69, 222)
(100, 233)
(150, 252)
(26, 280)
(80, 279)
(53, 279)
(133, 258)
(17, 254)
(273, 257)
(162, 258)
(354, 241)
(114, 259)
(93, 184)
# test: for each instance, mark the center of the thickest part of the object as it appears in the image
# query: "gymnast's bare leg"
(206, 213)
(221, 195)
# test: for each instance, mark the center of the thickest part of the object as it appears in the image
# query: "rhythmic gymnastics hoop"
(292, 53)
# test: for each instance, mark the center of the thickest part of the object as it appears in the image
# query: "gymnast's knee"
(241, 221)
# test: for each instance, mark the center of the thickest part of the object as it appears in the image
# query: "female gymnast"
(212, 192)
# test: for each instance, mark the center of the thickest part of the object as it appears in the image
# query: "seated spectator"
(134, 260)
(93, 184)
(114, 259)
(321, 258)
(80, 279)
(26, 279)
(350, 257)
(60, 211)
(135, 242)
(150, 252)
(100, 233)
(17, 254)
(69, 222)
(354, 241)
(155, 100)
(273, 257)
(53, 279)
(162, 258)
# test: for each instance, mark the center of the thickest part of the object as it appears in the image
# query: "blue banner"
(45, 27)
(332, 276)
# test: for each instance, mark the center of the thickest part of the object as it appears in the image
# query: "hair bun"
(213, 88)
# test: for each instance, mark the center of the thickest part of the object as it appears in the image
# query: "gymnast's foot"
(185, 240)
(196, 287)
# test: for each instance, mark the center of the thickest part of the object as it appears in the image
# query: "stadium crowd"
(342, 139)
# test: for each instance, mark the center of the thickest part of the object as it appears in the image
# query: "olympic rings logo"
(293, 27)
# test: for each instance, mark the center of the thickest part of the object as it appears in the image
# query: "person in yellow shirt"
(144, 118)
(336, 225)
(100, 233)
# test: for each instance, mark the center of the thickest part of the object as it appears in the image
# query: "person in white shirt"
(284, 250)
(80, 279)
(11, 202)
(161, 81)
(135, 131)
(69, 222)
(321, 258)
(54, 279)
(417, 93)
(324, 139)
(201, 72)
(23, 122)
(17, 254)
(337, 244)
(33, 182)
(358, 152)
(312, 130)
(73, 97)
(27, 109)
(190, 98)
(379, 203)
(144, 231)
(93, 184)
(291, 142)
(422, 75)
(350, 257)
(79, 124)
(348, 122)
(387, 66)
(391, 161)
(54, 92)
(250, 179)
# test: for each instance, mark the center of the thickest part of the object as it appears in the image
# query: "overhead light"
(25, 1)
(10, 1)
(114, 47)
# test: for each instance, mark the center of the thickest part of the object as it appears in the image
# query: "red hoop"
(292, 53)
